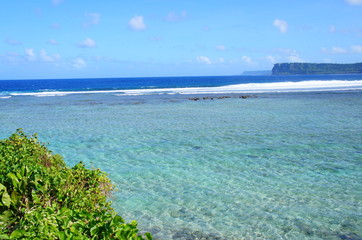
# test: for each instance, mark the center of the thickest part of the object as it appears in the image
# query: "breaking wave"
(302, 86)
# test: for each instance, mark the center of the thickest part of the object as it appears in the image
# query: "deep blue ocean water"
(285, 163)
(109, 84)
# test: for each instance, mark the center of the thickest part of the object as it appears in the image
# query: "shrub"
(42, 198)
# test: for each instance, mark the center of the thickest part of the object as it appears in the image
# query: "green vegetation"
(316, 68)
(41, 198)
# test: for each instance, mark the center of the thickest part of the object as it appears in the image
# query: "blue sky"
(148, 38)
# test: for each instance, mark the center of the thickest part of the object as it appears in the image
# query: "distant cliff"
(316, 68)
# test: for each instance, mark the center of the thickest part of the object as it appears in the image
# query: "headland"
(316, 68)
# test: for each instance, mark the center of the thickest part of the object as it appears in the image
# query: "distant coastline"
(257, 73)
(316, 68)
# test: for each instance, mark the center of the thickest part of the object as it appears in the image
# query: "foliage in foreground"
(41, 198)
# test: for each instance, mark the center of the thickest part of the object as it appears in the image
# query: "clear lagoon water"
(277, 165)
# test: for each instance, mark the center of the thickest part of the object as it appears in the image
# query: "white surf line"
(238, 88)
(259, 87)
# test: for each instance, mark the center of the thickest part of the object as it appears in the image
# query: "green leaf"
(3, 236)
(73, 230)
(62, 236)
(17, 234)
(14, 179)
(148, 236)
(118, 219)
(15, 197)
(94, 230)
(5, 217)
(18, 174)
(6, 200)
(70, 236)
(64, 203)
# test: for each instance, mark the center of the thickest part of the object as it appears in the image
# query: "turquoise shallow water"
(277, 166)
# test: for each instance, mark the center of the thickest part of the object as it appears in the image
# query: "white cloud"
(203, 59)
(30, 55)
(52, 42)
(356, 49)
(208, 61)
(287, 51)
(56, 2)
(173, 17)
(87, 43)
(92, 19)
(286, 54)
(332, 29)
(295, 58)
(55, 26)
(46, 58)
(136, 23)
(155, 38)
(271, 59)
(12, 42)
(359, 32)
(220, 47)
(334, 50)
(246, 59)
(354, 2)
(79, 63)
(10, 57)
(38, 11)
(103, 59)
(281, 25)
(43, 56)
(338, 50)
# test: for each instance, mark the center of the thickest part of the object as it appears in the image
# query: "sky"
(44, 39)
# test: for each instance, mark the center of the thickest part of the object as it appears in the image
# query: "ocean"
(234, 157)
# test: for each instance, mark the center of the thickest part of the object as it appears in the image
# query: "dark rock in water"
(155, 230)
(351, 236)
(221, 97)
(208, 98)
(180, 213)
(304, 228)
(187, 234)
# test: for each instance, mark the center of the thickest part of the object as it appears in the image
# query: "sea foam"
(303, 86)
